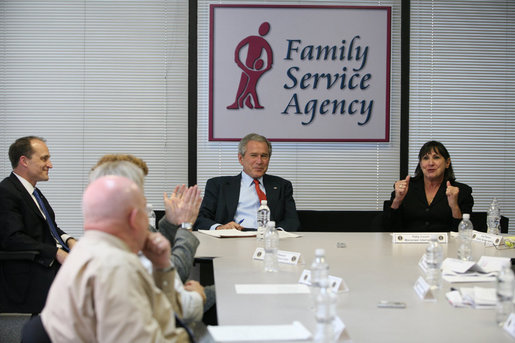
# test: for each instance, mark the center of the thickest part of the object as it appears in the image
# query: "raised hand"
(183, 205)
(401, 189)
(452, 195)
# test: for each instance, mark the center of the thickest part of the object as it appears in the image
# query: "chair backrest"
(34, 331)
(340, 221)
(479, 221)
(24, 282)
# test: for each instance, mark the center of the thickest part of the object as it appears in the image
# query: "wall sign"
(299, 73)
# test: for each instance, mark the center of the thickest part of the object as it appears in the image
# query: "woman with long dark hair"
(431, 200)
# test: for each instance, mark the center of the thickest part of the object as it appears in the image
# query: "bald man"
(103, 293)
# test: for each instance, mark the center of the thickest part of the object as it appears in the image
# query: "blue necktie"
(53, 230)
(180, 324)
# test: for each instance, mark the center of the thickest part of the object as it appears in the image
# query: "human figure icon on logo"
(253, 68)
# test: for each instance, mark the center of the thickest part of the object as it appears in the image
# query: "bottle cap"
(270, 223)
(264, 202)
(466, 216)
(319, 252)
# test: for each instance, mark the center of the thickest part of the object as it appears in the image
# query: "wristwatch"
(187, 226)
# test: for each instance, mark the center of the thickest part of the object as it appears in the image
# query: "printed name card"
(283, 256)
(509, 325)
(486, 238)
(418, 237)
(335, 283)
(423, 290)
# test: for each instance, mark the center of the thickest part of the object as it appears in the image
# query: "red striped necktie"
(260, 193)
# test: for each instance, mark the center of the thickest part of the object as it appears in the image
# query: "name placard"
(418, 237)
(486, 238)
(335, 283)
(509, 325)
(283, 256)
(423, 290)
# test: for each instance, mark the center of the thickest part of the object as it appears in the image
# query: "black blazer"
(221, 200)
(25, 284)
(415, 215)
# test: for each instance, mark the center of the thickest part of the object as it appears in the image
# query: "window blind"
(96, 77)
(462, 92)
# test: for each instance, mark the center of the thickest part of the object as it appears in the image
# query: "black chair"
(34, 332)
(341, 221)
(11, 300)
(478, 219)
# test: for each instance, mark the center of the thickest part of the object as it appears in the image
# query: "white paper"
(286, 234)
(232, 233)
(476, 297)
(259, 333)
(289, 288)
(454, 297)
(490, 264)
(485, 270)
(509, 325)
(468, 277)
(456, 265)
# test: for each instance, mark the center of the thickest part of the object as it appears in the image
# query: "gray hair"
(120, 168)
(242, 147)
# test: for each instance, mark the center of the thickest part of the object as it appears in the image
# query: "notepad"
(259, 333)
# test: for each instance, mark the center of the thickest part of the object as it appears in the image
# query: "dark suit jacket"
(415, 215)
(221, 200)
(24, 284)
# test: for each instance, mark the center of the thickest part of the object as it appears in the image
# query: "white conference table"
(374, 269)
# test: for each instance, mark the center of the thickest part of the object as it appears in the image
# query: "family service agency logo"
(253, 68)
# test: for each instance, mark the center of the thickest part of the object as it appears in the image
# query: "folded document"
(476, 297)
(485, 270)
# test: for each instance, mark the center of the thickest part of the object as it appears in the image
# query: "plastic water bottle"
(151, 218)
(325, 312)
(271, 247)
(505, 284)
(493, 217)
(434, 257)
(465, 231)
(263, 217)
(319, 271)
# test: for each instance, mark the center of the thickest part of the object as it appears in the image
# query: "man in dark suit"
(25, 224)
(231, 202)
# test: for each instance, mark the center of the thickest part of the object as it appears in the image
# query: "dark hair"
(242, 147)
(22, 147)
(440, 149)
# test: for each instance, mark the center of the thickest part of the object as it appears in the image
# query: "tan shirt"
(102, 293)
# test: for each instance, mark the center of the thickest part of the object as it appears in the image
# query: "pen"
(241, 221)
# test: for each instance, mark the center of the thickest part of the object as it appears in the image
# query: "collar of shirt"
(28, 186)
(248, 203)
